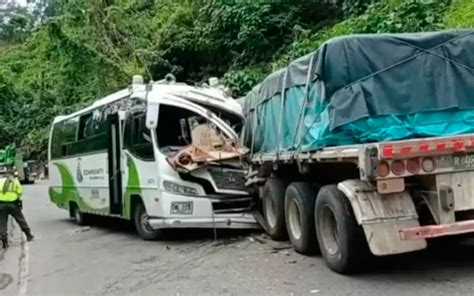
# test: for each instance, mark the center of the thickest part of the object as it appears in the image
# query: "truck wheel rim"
(270, 212)
(145, 224)
(329, 230)
(294, 219)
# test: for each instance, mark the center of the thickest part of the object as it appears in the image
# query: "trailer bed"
(386, 150)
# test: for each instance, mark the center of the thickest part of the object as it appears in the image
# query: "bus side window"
(84, 121)
(63, 138)
(141, 142)
(127, 136)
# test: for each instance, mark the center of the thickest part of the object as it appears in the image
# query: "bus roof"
(211, 97)
(101, 102)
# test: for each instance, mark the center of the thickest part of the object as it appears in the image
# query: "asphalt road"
(108, 259)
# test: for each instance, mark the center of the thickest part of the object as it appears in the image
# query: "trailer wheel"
(299, 213)
(273, 195)
(342, 241)
(144, 230)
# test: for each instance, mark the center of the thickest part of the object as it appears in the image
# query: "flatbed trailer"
(382, 196)
(389, 199)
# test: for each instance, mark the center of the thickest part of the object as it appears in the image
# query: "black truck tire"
(144, 230)
(300, 199)
(273, 198)
(341, 240)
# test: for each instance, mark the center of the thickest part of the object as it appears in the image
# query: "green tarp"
(366, 88)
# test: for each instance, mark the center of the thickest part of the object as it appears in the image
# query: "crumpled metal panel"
(193, 156)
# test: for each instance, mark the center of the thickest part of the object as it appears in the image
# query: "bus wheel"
(299, 213)
(79, 217)
(341, 240)
(144, 230)
(273, 195)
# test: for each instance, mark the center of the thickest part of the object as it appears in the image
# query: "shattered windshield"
(178, 128)
(234, 121)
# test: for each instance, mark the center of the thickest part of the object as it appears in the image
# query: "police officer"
(11, 204)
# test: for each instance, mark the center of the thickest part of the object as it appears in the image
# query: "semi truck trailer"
(366, 146)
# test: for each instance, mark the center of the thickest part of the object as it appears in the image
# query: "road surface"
(108, 259)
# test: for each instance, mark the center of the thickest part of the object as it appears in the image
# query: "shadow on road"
(170, 235)
(450, 256)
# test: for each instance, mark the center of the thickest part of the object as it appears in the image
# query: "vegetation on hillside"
(57, 56)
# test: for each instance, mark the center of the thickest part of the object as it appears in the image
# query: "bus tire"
(273, 198)
(341, 240)
(300, 198)
(79, 217)
(144, 229)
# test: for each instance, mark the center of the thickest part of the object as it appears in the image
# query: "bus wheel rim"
(145, 224)
(77, 214)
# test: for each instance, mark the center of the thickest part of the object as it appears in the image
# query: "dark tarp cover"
(365, 76)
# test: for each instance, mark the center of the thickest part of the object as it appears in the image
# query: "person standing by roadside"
(11, 204)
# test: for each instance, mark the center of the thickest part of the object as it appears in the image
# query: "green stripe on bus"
(133, 187)
(70, 193)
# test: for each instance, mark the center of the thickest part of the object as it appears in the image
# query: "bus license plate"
(463, 161)
(182, 208)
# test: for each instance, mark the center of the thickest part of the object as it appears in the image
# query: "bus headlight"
(180, 189)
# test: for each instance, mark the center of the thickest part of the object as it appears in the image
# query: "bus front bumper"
(225, 221)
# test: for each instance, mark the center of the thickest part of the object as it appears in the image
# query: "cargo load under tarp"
(366, 88)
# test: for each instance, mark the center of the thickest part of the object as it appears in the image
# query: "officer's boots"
(4, 239)
(29, 236)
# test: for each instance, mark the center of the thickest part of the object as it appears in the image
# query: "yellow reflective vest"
(13, 191)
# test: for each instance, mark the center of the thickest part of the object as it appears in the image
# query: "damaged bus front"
(198, 158)
(170, 155)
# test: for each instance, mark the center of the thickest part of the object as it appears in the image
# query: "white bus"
(136, 155)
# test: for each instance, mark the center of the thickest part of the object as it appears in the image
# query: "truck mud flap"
(382, 217)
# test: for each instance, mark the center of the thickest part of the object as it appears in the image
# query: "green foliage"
(15, 25)
(405, 16)
(387, 16)
(460, 14)
(241, 81)
(59, 56)
(355, 7)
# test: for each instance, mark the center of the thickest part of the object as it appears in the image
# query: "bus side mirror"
(153, 110)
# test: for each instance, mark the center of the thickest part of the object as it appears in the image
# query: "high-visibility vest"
(13, 191)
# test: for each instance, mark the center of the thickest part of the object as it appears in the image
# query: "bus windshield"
(178, 128)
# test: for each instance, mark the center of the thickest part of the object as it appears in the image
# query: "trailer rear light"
(428, 165)
(413, 165)
(383, 169)
(398, 167)
(407, 148)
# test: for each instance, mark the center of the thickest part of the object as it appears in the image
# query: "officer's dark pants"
(6, 209)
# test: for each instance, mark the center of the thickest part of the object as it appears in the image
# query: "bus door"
(115, 164)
